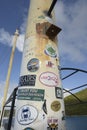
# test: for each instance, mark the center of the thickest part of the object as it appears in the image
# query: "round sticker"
(27, 114)
(49, 79)
(55, 106)
(28, 128)
(50, 50)
(33, 65)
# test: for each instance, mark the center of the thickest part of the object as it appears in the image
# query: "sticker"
(49, 64)
(44, 107)
(55, 106)
(52, 124)
(50, 50)
(33, 65)
(41, 17)
(52, 121)
(57, 61)
(32, 49)
(58, 92)
(26, 115)
(49, 79)
(28, 128)
(27, 80)
(63, 115)
(31, 94)
(52, 128)
(40, 28)
(29, 54)
(49, 19)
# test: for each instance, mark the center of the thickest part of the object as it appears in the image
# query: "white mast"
(40, 103)
(10, 68)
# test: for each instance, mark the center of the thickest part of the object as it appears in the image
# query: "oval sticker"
(50, 51)
(49, 79)
(33, 65)
(27, 114)
(55, 106)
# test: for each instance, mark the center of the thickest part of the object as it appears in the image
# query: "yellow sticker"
(55, 106)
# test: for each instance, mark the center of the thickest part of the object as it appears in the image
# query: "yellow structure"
(40, 103)
(10, 68)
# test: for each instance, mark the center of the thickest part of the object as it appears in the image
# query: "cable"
(73, 95)
(77, 87)
(70, 75)
(84, 71)
(51, 8)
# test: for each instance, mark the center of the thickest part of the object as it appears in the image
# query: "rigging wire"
(77, 87)
(73, 95)
(70, 75)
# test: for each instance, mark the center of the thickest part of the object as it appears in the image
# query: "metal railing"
(81, 86)
(14, 94)
(12, 100)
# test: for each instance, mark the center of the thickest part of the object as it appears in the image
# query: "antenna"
(51, 8)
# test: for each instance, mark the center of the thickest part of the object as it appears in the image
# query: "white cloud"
(5, 37)
(73, 38)
(23, 25)
(20, 42)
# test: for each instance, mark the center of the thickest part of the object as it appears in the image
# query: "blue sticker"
(27, 114)
(28, 128)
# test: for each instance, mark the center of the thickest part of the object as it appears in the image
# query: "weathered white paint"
(38, 45)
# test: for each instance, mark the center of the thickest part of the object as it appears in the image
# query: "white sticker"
(27, 114)
(49, 79)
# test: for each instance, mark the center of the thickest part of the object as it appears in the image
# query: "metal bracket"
(52, 31)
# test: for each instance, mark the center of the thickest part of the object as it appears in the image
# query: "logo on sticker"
(58, 92)
(52, 123)
(33, 65)
(26, 115)
(49, 79)
(49, 64)
(31, 94)
(51, 51)
(63, 115)
(27, 80)
(55, 106)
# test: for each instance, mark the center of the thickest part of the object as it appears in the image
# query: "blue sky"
(71, 16)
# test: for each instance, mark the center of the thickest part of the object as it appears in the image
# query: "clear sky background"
(71, 16)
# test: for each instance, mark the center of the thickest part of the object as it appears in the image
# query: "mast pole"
(40, 104)
(10, 68)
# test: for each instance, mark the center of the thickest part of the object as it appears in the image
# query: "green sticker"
(51, 51)
(42, 17)
(31, 94)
